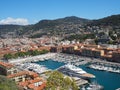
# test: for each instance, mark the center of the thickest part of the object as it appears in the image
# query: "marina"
(94, 63)
(109, 68)
(95, 86)
(110, 81)
(32, 67)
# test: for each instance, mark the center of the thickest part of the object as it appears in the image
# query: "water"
(50, 64)
(110, 81)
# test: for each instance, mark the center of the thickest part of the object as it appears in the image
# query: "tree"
(7, 84)
(24, 54)
(8, 56)
(57, 81)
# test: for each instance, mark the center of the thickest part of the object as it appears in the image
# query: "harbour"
(110, 81)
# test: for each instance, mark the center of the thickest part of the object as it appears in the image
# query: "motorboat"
(74, 71)
(95, 86)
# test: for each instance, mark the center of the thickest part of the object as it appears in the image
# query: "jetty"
(79, 81)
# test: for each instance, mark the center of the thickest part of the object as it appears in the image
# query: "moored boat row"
(105, 68)
(33, 67)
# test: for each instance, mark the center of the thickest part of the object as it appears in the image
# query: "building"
(86, 52)
(97, 53)
(7, 69)
(28, 80)
(116, 56)
(91, 46)
(36, 84)
(77, 52)
(56, 49)
(69, 49)
(92, 52)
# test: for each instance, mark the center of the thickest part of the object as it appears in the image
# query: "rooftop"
(6, 65)
(33, 74)
(35, 84)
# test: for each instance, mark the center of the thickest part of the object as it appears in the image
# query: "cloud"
(16, 21)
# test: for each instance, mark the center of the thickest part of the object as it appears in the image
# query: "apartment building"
(92, 52)
(7, 69)
(28, 80)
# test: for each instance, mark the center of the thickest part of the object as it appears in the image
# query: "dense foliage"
(80, 37)
(57, 81)
(113, 20)
(6, 84)
(24, 54)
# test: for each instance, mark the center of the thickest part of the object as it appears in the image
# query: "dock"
(79, 81)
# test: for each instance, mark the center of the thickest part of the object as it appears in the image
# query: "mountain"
(113, 20)
(61, 26)
(53, 23)
(8, 28)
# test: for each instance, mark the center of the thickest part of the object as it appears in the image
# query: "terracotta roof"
(6, 65)
(30, 84)
(18, 74)
(24, 84)
(40, 87)
(33, 74)
(27, 82)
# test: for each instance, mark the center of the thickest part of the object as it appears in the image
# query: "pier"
(79, 81)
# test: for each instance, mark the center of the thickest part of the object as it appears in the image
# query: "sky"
(25, 12)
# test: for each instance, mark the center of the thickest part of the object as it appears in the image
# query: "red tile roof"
(33, 74)
(30, 84)
(17, 74)
(6, 65)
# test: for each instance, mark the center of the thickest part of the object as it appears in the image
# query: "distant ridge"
(113, 20)
(67, 25)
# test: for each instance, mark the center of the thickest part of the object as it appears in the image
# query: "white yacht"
(95, 86)
(74, 71)
(118, 89)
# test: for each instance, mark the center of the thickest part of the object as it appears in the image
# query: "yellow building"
(92, 52)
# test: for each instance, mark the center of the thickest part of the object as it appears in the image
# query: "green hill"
(61, 26)
(113, 20)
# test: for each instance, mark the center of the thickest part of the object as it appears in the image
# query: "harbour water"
(110, 81)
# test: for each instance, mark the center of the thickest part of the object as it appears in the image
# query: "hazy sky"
(31, 11)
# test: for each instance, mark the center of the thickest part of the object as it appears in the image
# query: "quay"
(79, 81)
(33, 58)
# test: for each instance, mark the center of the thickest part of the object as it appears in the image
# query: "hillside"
(62, 26)
(113, 20)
